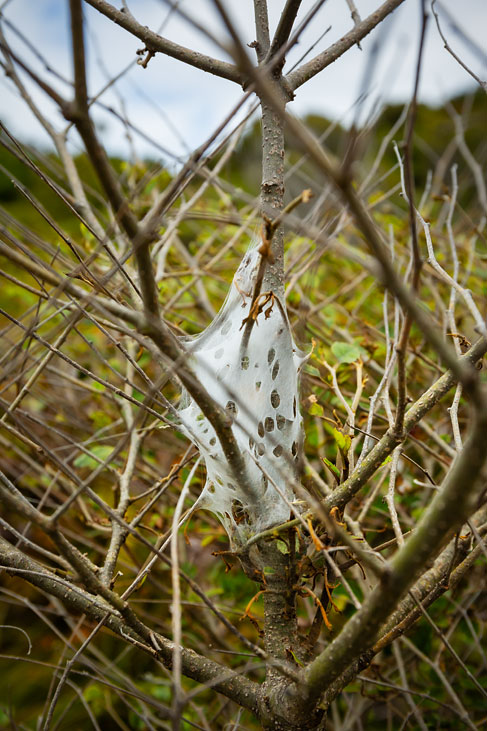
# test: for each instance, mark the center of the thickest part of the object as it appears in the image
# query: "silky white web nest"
(258, 385)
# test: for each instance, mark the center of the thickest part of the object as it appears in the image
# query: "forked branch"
(322, 60)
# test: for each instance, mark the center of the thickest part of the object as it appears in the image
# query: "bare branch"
(80, 601)
(157, 44)
(261, 29)
(446, 513)
(386, 445)
(322, 60)
(417, 262)
(480, 82)
(285, 25)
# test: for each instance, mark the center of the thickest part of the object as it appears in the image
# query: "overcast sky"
(178, 106)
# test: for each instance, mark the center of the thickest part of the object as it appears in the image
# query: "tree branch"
(344, 493)
(285, 25)
(449, 568)
(157, 44)
(78, 112)
(322, 60)
(428, 588)
(447, 512)
(482, 84)
(267, 83)
(208, 672)
(153, 326)
(417, 262)
(387, 273)
(261, 29)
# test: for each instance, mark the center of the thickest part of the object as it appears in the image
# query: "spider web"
(257, 383)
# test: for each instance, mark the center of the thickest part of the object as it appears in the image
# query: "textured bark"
(272, 188)
(157, 44)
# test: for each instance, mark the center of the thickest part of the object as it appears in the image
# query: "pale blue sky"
(178, 106)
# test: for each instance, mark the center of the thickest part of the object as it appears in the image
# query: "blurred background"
(178, 107)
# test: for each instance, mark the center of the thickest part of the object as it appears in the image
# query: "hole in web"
(240, 515)
(275, 399)
(294, 407)
(211, 489)
(262, 441)
(231, 407)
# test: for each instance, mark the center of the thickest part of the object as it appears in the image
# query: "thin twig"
(482, 84)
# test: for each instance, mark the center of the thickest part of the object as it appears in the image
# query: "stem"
(261, 29)
(157, 44)
(401, 349)
(272, 189)
(286, 22)
(322, 60)
(446, 513)
(225, 681)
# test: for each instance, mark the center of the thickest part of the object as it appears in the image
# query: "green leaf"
(102, 451)
(312, 371)
(346, 352)
(282, 547)
(330, 314)
(332, 467)
(316, 410)
(161, 692)
(150, 186)
(344, 441)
